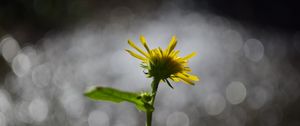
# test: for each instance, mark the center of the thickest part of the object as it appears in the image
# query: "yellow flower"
(163, 64)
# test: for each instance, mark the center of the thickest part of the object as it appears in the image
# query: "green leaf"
(114, 95)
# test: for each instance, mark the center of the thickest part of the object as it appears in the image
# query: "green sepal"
(169, 84)
(99, 93)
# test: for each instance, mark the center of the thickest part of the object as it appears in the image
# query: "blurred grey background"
(52, 50)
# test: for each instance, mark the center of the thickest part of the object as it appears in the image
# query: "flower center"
(163, 67)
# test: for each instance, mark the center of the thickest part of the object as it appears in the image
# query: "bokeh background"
(53, 50)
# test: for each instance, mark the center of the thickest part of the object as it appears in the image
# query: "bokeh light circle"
(214, 104)
(254, 50)
(38, 109)
(21, 65)
(236, 92)
(178, 119)
(9, 48)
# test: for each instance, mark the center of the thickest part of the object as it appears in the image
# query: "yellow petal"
(185, 79)
(187, 69)
(173, 78)
(174, 53)
(137, 48)
(157, 52)
(172, 45)
(144, 42)
(189, 56)
(190, 76)
(136, 55)
(152, 52)
(161, 51)
(193, 77)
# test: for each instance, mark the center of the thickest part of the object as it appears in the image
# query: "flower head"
(163, 64)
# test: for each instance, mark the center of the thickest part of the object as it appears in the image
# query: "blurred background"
(53, 50)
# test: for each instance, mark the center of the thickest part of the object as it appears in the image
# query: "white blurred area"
(254, 50)
(38, 109)
(21, 65)
(177, 119)
(236, 92)
(214, 104)
(238, 79)
(98, 118)
(9, 48)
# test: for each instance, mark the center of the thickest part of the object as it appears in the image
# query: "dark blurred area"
(29, 20)
(273, 14)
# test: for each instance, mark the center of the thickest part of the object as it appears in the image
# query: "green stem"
(155, 83)
(149, 118)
